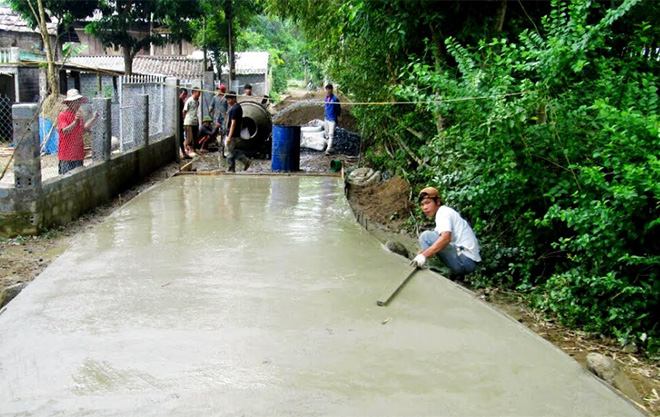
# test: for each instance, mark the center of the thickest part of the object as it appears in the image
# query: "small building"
(251, 68)
(21, 51)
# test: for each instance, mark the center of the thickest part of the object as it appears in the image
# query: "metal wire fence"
(64, 129)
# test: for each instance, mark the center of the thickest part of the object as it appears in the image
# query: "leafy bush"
(561, 181)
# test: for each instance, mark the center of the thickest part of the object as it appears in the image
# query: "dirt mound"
(387, 203)
(303, 112)
(299, 114)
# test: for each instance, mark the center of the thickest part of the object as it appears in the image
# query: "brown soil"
(24, 257)
(301, 116)
(386, 203)
(296, 95)
(305, 114)
(378, 202)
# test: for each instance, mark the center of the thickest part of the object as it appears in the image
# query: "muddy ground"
(387, 209)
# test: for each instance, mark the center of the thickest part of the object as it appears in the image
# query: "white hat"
(73, 95)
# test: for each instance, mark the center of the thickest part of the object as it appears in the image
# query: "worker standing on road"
(72, 127)
(332, 115)
(218, 108)
(183, 96)
(247, 90)
(191, 121)
(234, 123)
(453, 240)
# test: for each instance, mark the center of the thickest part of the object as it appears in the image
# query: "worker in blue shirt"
(332, 115)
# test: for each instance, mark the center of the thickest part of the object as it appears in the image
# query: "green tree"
(283, 41)
(218, 25)
(167, 20)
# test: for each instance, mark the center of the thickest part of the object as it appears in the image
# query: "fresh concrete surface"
(230, 296)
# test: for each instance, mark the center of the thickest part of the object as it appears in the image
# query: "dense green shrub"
(562, 181)
(539, 123)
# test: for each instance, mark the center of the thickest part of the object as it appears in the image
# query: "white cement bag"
(313, 140)
(317, 123)
(311, 129)
(245, 133)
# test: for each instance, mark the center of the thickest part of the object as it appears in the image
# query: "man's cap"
(248, 86)
(231, 94)
(428, 192)
(222, 87)
(73, 95)
(207, 119)
(329, 87)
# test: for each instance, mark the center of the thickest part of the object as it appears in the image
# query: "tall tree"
(167, 21)
(219, 25)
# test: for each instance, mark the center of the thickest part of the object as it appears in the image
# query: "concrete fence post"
(27, 153)
(142, 120)
(27, 170)
(102, 130)
(173, 84)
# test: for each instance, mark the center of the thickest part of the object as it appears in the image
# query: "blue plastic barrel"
(46, 129)
(286, 148)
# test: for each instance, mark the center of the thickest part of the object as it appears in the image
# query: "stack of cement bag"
(313, 136)
(364, 176)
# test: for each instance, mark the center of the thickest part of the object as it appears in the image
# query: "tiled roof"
(168, 66)
(172, 66)
(11, 21)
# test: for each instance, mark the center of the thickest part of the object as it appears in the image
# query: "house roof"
(168, 66)
(11, 21)
(250, 63)
(188, 68)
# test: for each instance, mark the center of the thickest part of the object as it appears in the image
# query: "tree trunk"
(438, 49)
(499, 19)
(229, 16)
(128, 60)
(40, 15)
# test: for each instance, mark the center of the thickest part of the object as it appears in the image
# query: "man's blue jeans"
(459, 264)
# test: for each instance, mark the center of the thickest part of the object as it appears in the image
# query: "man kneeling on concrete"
(453, 240)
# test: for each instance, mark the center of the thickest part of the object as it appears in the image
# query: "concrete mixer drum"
(258, 122)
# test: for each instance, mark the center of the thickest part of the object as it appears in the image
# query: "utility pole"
(204, 42)
(229, 16)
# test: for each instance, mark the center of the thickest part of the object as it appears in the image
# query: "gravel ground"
(310, 162)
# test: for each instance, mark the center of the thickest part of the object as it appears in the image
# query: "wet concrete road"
(232, 296)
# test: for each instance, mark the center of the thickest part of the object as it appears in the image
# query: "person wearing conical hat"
(452, 240)
(71, 128)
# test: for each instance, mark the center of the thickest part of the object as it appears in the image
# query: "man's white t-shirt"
(448, 220)
(191, 112)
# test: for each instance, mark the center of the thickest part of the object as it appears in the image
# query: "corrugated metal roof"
(11, 21)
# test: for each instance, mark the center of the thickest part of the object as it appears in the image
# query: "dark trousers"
(182, 139)
(233, 155)
(66, 166)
